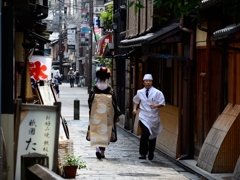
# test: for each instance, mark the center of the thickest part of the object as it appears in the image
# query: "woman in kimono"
(103, 113)
(149, 100)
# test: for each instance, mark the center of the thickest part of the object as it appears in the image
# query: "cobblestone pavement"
(121, 160)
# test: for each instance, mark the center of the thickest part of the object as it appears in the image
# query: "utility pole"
(1, 85)
(60, 40)
(90, 46)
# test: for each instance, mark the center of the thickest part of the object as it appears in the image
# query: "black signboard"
(71, 46)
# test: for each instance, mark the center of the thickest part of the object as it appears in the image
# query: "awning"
(151, 38)
(109, 50)
(131, 46)
(80, 58)
(55, 66)
(101, 43)
(135, 52)
(67, 64)
(136, 40)
(208, 3)
(54, 42)
(226, 32)
(167, 56)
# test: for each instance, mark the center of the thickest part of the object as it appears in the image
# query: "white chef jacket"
(150, 117)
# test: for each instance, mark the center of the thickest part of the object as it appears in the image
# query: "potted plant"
(71, 164)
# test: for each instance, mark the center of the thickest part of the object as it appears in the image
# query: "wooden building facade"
(195, 65)
(22, 33)
(217, 142)
(159, 49)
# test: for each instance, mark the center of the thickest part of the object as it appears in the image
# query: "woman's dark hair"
(103, 74)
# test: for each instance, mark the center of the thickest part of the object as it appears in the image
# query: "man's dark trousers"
(146, 144)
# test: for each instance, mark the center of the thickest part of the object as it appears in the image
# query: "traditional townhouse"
(216, 94)
(23, 34)
(165, 50)
(195, 64)
(119, 63)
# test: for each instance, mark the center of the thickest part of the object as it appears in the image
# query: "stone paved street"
(121, 160)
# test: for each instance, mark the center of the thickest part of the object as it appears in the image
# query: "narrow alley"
(121, 160)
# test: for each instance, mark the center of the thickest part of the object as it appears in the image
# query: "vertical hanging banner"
(71, 36)
(40, 67)
(97, 30)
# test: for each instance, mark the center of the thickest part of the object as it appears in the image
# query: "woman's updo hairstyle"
(102, 73)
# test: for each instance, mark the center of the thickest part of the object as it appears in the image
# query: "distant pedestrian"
(103, 113)
(58, 76)
(149, 100)
(71, 75)
(77, 76)
(56, 86)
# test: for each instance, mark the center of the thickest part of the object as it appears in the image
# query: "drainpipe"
(186, 135)
(1, 85)
(192, 36)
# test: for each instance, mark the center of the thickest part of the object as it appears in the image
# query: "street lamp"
(90, 46)
(114, 26)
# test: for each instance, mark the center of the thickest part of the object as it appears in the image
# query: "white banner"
(40, 67)
(71, 36)
(71, 31)
(71, 41)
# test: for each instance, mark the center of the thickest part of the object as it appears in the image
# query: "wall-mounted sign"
(85, 29)
(71, 31)
(71, 46)
(98, 9)
(71, 42)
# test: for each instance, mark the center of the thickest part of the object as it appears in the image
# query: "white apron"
(150, 117)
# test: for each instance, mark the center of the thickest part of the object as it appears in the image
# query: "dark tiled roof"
(148, 37)
(225, 32)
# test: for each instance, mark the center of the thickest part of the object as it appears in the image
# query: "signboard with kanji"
(38, 132)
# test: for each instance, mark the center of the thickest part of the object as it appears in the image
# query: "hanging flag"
(40, 67)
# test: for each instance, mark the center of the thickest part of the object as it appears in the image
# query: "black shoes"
(127, 128)
(98, 154)
(150, 156)
(142, 156)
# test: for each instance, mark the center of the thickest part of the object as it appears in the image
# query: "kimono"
(103, 112)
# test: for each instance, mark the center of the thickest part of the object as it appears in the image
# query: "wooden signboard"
(38, 132)
(47, 96)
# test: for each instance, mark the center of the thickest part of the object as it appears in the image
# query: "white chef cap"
(147, 77)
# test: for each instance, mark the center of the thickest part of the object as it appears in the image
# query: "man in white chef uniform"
(149, 100)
